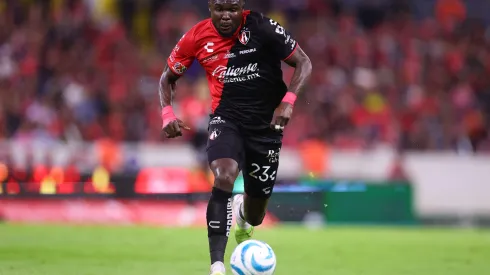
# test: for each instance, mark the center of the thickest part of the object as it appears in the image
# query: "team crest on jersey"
(214, 134)
(244, 37)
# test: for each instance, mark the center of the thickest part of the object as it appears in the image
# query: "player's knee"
(225, 172)
(225, 181)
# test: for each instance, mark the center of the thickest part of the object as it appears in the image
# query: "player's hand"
(281, 117)
(174, 128)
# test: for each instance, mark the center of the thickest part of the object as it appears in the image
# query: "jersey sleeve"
(279, 39)
(183, 54)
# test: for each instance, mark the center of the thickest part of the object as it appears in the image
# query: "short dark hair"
(242, 1)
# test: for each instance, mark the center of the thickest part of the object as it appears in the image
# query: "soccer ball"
(253, 257)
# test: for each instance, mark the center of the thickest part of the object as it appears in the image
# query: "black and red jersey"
(243, 71)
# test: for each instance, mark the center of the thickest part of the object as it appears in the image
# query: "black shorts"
(256, 152)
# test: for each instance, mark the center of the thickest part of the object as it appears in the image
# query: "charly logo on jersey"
(236, 74)
(244, 36)
(209, 47)
(214, 134)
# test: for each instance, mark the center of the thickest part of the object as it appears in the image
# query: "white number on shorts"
(264, 176)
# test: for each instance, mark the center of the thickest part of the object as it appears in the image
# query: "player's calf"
(255, 209)
(249, 212)
(219, 221)
(256, 220)
(219, 212)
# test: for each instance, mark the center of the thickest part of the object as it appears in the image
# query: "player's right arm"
(179, 60)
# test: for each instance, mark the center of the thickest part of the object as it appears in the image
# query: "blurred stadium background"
(392, 130)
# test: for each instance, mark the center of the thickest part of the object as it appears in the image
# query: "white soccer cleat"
(237, 201)
(218, 268)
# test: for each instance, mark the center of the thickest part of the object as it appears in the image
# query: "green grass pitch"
(62, 250)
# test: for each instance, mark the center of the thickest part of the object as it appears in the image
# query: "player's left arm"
(288, 50)
(302, 70)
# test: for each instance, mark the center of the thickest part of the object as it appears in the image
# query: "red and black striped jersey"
(243, 71)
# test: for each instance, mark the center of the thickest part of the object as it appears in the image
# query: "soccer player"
(241, 52)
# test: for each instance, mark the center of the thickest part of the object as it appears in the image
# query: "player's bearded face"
(226, 15)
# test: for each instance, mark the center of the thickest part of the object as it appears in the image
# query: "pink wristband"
(168, 115)
(289, 98)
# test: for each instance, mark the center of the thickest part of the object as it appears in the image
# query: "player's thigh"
(260, 167)
(224, 148)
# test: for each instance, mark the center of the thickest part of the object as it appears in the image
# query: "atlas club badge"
(244, 37)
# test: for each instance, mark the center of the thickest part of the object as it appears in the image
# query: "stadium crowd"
(86, 70)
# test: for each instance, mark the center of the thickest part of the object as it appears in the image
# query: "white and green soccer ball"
(253, 257)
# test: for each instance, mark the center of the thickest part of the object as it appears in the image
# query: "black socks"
(219, 218)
